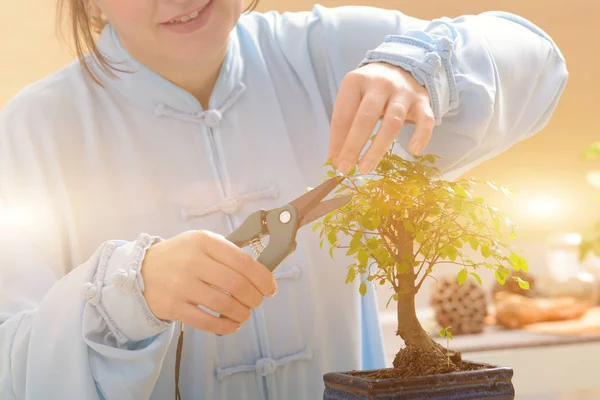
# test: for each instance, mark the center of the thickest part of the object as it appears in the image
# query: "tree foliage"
(404, 202)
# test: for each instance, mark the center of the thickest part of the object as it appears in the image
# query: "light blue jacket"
(87, 174)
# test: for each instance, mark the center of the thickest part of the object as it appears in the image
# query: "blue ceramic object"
(487, 382)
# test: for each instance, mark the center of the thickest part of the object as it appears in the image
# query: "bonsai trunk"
(422, 354)
(409, 327)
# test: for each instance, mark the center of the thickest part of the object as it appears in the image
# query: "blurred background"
(554, 203)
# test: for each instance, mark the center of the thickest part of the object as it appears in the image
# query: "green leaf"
(496, 223)
(522, 284)
(462, 276)
(363, 257)
(317, 225)
(473, 243)
(415, 191)
(477, 278)
(385, 166)
(457, 243)
(351, 275)
(518, 262)
(332, 237)
(485, 250)
(356, 240)
(592, 152)
(401, 267)
(365, 222)
(452, 254)
(376, 221)
(461, 191)
(442, 333)
(500, 277)
(372, 243)
(408, 225)
(430, 158)
(362, 288)
(449, 335)
(420, 237)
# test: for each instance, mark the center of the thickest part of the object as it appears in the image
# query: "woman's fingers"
(346, 106)
(200, 293)
(371, 108)
(228, 254)
(367, 94)
(231, 281)
(425, 122)
(393, 120)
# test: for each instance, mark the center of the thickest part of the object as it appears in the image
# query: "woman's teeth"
(185, 18)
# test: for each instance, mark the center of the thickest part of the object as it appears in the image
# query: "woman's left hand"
(370, 93)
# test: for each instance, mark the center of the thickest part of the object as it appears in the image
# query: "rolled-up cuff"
(117, 291)
(429, 63)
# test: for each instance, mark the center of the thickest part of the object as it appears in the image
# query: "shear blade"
(324, 208)
(309, 200)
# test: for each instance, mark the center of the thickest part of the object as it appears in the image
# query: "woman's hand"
(370, 93)
(194, 268)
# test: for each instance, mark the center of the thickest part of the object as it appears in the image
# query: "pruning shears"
(281, 224)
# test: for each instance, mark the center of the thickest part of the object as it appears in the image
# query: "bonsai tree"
(405, 222)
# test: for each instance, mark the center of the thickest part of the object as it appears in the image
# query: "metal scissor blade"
(309, 200)
(324, 208)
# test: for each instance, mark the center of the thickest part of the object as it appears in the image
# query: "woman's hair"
(73, 18)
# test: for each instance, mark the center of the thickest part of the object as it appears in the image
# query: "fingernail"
(366, 166)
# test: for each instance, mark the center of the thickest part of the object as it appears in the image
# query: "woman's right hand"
(188, 270)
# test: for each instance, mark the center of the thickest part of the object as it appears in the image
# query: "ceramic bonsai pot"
(484, 382)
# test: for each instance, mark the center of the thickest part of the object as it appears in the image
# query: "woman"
(121, 172)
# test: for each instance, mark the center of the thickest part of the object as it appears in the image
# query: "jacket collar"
(148, 89)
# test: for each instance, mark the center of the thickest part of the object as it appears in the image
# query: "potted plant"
(403, 222)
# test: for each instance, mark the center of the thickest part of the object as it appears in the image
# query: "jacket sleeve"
(66, 331)
(494, 79)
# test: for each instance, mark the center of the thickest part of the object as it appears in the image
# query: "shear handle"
(282, 225)
(253, 227)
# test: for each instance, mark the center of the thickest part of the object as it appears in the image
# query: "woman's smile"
(190, 22)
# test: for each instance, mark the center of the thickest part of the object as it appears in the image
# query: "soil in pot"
(419, 374)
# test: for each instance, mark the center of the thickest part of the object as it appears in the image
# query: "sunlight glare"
(543, 206)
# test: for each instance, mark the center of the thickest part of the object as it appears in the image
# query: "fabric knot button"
(212, 118)
(444, 44)
(125, 279)
(265, 366)
(231, 205)
(434, 60)
(91, 293)
(445, 47)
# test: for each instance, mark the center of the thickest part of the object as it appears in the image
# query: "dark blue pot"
(488, 383)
